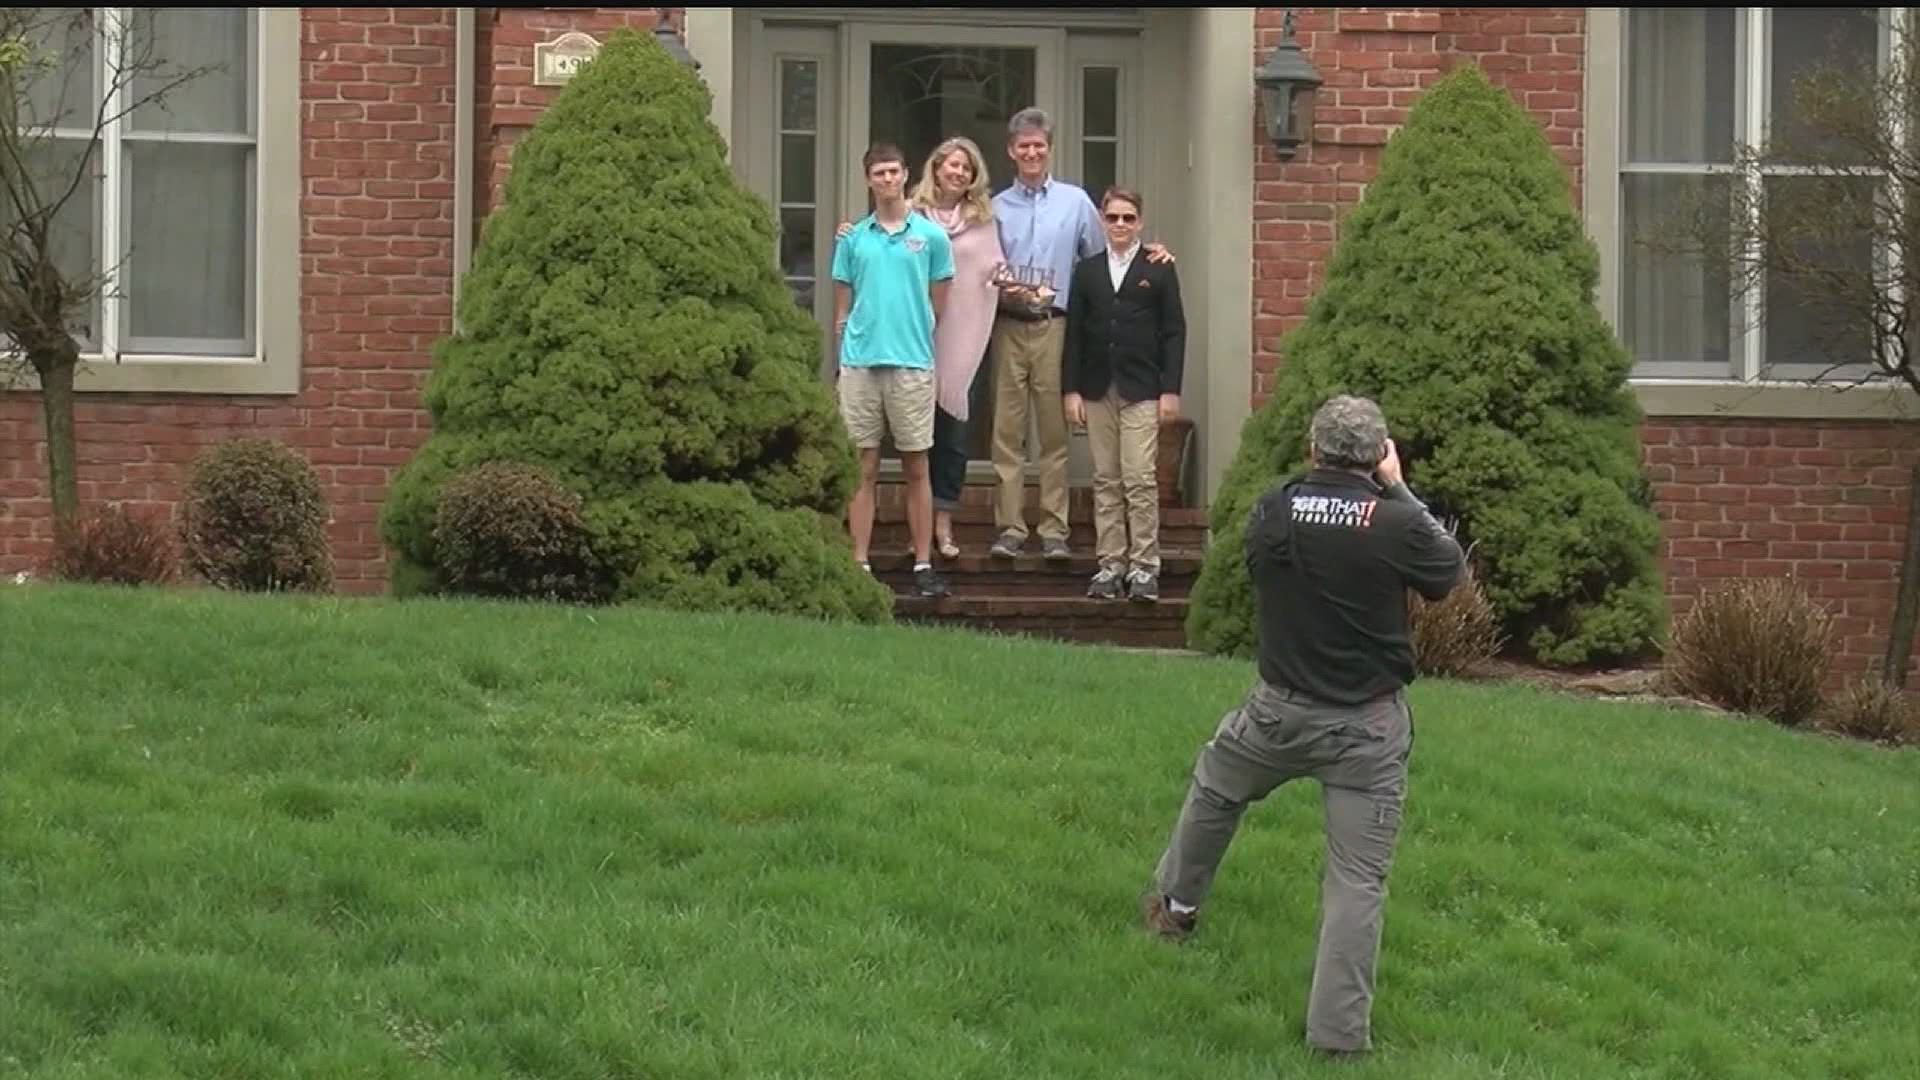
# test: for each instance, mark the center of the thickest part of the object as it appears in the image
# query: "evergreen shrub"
(254, 519)
(625, 328)
(1460, 298)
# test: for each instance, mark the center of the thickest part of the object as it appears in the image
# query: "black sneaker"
(1105, 585)
(1143, 587)
(928, 583)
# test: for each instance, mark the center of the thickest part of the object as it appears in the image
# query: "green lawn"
(261, 837)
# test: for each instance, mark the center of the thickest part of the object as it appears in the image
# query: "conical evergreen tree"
(625, 327)
(1460, 297)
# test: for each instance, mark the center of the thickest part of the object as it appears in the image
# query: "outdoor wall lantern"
(1287, 82)
(670, 40)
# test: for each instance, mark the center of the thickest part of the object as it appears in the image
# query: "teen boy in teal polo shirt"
(890, 275)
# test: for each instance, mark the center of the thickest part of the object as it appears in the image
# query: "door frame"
(857, 40)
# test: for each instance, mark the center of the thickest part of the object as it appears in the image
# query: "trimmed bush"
(1758, 646)
(1460, 298)
(626, 327)
(115, 545)
(1454, 636)
(1872, 708)
(509, 530)
(254, 519)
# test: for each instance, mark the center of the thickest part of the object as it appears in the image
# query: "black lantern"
(1287, 82)
(669, 40)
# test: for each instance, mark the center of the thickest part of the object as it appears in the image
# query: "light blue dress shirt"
(1044, 232)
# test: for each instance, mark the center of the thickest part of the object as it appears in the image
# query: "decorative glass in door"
(922, 94)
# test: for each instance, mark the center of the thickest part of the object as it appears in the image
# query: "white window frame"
(274, 367)
(1751, 392)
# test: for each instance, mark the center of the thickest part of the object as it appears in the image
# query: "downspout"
(463, 163)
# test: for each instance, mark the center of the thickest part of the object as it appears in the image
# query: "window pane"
(60, 88)
(182, 40)
(1675, 312)
(802, 293)
(796, 168)
(189, 235)
(1681, 77)
(799, 95)
(796, 243)
(1807, 39)
(1100, 90)
(1804, 330)
(1099, 167)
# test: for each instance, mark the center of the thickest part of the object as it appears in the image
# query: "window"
(799, 141)
(1104, 75)
(1695, 81)
(1099, 129)
(191, 200)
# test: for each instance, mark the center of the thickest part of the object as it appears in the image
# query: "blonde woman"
(953, 194)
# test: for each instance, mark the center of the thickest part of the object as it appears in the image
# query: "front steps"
(1030, 595)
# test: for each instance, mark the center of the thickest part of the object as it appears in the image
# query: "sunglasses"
(1123, 218)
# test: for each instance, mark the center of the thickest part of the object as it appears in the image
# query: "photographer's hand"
(1389, 468)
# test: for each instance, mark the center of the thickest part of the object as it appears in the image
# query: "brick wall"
(1824, 503)
(376, 276)
(1376, 62)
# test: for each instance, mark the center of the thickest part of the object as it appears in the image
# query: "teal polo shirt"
(891, 321)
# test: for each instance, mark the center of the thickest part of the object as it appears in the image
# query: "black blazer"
(1134, 339)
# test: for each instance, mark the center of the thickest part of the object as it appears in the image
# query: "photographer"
(1331, 555)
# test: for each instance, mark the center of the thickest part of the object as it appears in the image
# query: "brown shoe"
(1164, 921)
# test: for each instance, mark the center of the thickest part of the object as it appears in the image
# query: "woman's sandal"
(948, 549)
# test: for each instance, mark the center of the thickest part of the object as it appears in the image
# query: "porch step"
(976, 573)
(1060, 618)
(1029, 595)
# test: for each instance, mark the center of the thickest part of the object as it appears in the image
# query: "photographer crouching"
(1331, 555)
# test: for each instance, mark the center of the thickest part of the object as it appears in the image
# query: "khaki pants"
(1124, 440)
(1359, 754)
(1026, 382)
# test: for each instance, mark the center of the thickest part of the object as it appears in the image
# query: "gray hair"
(1030, 119)
(1349, 433)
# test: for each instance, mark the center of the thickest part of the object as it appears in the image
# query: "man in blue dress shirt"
(1046, 225)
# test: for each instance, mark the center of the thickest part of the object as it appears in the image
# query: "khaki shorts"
(876, 400)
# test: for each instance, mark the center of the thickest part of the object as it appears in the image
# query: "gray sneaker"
(1143, 587)
(1007, 546)
(1105, 585)
(1055, 550)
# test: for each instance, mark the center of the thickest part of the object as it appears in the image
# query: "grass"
(269, 837)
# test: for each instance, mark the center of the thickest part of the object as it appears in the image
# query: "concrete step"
(1069, 618)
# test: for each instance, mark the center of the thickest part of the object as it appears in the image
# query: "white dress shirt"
(1117, 264)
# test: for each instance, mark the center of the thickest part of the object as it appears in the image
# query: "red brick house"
(342, 175)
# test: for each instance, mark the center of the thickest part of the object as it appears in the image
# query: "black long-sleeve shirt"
(1331, 556)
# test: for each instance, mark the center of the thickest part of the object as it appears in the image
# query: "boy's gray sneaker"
(1143, 587)
(1105, 585)
(1007, 546)
(1055, 550)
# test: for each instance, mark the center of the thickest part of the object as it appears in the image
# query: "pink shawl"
(960, 336)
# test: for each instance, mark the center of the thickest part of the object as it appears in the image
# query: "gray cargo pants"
(1359, 754)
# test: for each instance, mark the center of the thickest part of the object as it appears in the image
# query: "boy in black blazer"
(1120, 378)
